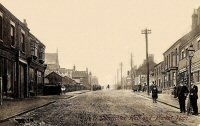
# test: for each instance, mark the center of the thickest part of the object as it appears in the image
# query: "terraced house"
(158, 77)
(192, 39)
(176, 61)
(21, 57)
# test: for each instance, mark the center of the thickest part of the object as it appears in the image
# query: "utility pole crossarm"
(146, 31)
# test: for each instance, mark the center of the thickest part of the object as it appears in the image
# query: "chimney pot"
(25, 23)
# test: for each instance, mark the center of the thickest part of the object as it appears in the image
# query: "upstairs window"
(176, 57)
(186, 51)
(12, 35)
(198, 45)
(34, 48)
(1, 26)
(22, 40)
(42, 55)
(182, 54)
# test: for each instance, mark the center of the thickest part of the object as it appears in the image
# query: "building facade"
(176, 61)
(52, 61)
(171, 61)
(83, 78)
(158, 76)
(15, 52)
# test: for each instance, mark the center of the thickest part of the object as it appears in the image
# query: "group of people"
(182, 92)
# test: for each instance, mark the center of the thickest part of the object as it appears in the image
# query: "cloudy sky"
(99, 34)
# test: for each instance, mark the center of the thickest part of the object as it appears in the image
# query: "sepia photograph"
(99, 62)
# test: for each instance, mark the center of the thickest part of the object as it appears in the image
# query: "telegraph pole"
(131, 71)
(146, 32)
(117, 77)
(121, 75)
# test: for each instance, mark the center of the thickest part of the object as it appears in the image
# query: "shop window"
(31, 74)
(39, 75)
(10, 77)
(31, 79)
(196, 76)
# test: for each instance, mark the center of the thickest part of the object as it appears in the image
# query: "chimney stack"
(198, 13)
(74, 68)
(86, 69)
(25, 23)
(195, 18)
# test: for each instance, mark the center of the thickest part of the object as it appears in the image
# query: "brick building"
(171, 60)
(52, 61)
(158, 76)
(18, 56)
(82, 77)
(176, 60)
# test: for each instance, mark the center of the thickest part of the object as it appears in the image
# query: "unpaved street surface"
(107, 108)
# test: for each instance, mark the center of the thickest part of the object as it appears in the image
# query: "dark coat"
(182, 92)
(194, 92)
(154, 91)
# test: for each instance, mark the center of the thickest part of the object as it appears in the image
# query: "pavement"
(16, 107)
(167, 99)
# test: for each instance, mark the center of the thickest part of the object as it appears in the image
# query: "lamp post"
(190, 55)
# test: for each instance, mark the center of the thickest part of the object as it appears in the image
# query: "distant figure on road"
(108, 86)
(182, 92)
(154, 92)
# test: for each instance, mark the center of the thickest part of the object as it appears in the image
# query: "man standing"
(182, 94)
(193, 98)
(154, 92)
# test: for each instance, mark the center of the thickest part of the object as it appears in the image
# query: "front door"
(22, 77)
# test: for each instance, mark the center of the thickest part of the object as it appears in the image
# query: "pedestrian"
(182, 94)
(154, 91)
(193, 98)
(108, 86)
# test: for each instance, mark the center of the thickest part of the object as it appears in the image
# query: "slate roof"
(51, 58)
(189, 36)
(186, 38)
(79, 74)
(53, 74)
